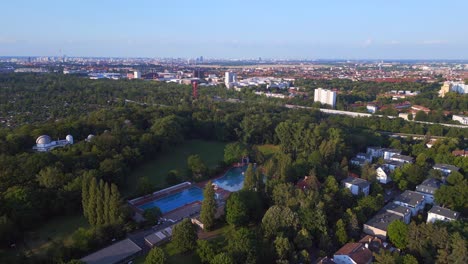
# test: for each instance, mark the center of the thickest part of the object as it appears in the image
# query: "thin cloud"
(434, 42)
(368, 42)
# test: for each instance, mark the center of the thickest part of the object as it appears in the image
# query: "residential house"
(356, 185)
(364, 156)
(428, 188)
(353, 253)
(438, 213)
(383, 175)
(374, 244)
(402, 158)
(388, 153)
(392, 165)
(358, 161)
(446, 169)
(375, 152)
(412, 200)
(460, 152)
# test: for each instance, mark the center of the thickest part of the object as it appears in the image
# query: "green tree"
(236, 210)
(100, 208)
(196, 166)
(249, 180)
(184, 236)
(152, 214)
(51, 177)
(92, 202)
(283, 247)
(242, 245)
(352, 223)
(398, 233)
(106, 201)
(208, 207)
(303, 240)
(222, 258)
(340, 232)
(279, 219)
(409, 259)
(115, 205)
(233, 152)
(459, 252)
(205, 251)
(156, 256)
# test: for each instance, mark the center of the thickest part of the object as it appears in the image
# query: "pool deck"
(187, 210)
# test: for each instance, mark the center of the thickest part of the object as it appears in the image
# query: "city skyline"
(273, 29)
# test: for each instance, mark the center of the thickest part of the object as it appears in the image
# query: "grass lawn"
(156, 170)
(268, 150)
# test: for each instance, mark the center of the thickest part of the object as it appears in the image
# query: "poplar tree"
(208, 207)
(100, 218)
(85, 194)
(107, 194)
(114, 204)
(91, 208)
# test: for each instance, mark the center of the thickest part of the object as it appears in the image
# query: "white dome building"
(44, 143)
(89, 138)
(43, 140)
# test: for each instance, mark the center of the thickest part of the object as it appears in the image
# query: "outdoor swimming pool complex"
(232, 180)
(175, 200)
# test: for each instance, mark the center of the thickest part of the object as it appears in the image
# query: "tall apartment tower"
(136, 75)
(325, 96)
(229, 79)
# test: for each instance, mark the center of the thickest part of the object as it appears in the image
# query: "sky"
(240, 29)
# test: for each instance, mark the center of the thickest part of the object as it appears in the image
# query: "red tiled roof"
(357, 252)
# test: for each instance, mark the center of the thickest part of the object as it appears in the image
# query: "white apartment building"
(229, 79)
(325, 96)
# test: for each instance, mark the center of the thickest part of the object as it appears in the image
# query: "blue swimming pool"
(175, 200)
(233, 179)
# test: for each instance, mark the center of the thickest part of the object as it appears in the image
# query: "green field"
(58, 230)
(268, 150)
(176, 158)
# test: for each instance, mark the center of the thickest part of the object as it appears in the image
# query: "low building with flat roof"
(377, 225)
(399, 210)
(402, 158)
(158, 237)
(119, 252)
(446, 169)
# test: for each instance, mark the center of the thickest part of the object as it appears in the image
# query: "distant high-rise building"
(229, 79)
(325, 96)
(199, 73)
(136, 75)
(201, 58)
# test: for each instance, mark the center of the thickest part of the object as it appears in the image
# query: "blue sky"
(350, 29)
